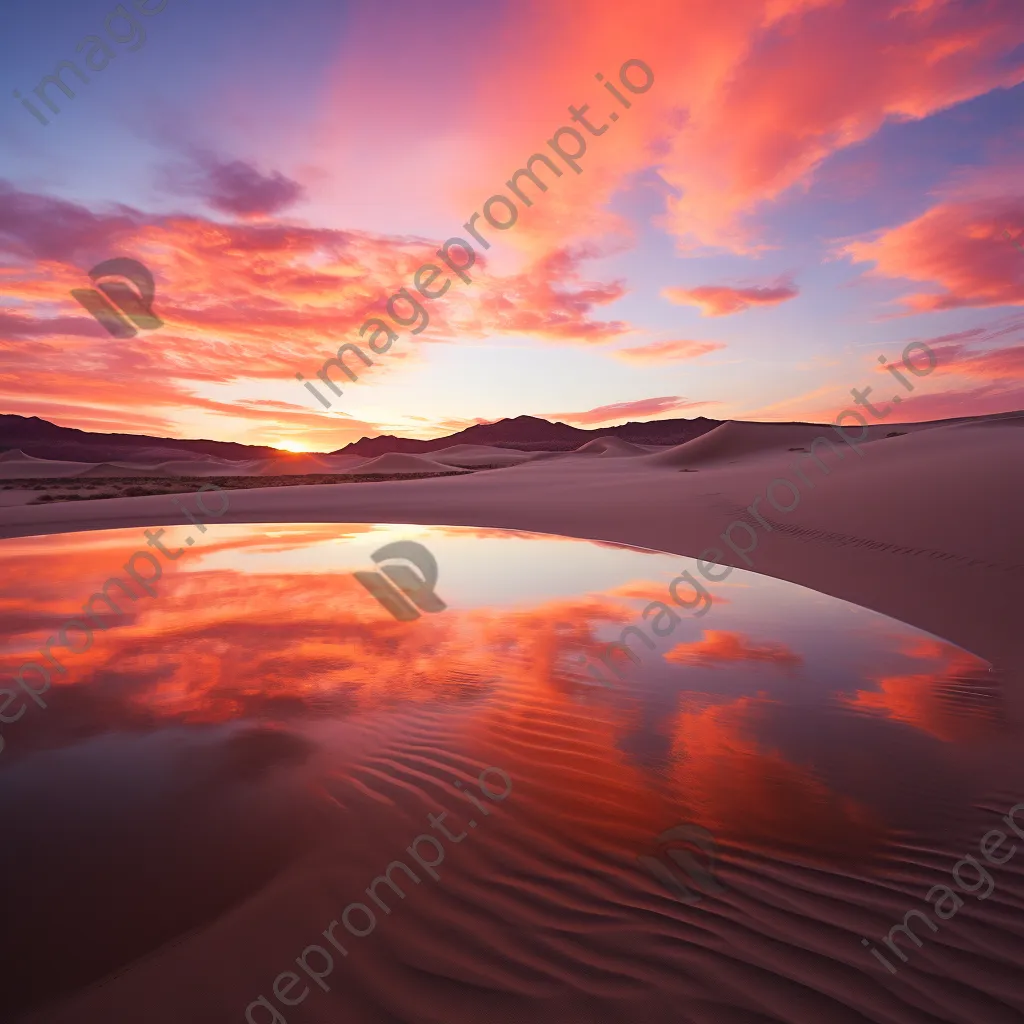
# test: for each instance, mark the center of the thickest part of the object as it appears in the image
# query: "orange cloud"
(243, 304)
(667, 351)
(303, 640)
(645, 590)
(993, 378)
(987, 380)
(957, 247)
(951, 700)
(537, 301)
(801, 90)
(723, 646)
(722, 300)
(747, 102)
(734, 785)
(453, 426)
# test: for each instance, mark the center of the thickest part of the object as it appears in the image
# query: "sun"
(291, 446)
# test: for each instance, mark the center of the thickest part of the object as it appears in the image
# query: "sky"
(769, 195)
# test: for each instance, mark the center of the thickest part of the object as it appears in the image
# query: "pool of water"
(193, 789)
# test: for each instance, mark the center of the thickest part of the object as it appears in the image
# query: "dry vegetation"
(79, 489)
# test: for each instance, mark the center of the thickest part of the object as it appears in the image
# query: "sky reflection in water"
(201, 745)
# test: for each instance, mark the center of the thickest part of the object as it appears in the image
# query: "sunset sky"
(807, 184)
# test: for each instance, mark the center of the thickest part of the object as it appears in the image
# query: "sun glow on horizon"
(295, 447)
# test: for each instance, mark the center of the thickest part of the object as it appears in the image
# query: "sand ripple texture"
(542, 911)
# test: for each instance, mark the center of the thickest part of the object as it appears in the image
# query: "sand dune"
(18, 466)
(609, 447)
(732, 442)
(152, 463)
(157, 454)
(288, 465)
(480, 455)
(343, 463)
(205, 466)
(122, 469)
(396, 462)
(1010, 420)
(295, 465)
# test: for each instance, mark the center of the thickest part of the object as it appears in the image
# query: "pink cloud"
(818, 79)
(974, 376)
(993, 365)
(452, 425)
(746, 103)
(44, 228)
(959, 248)
(667, 351)
(19, 325)
(993, 381)
(619, 412)
(548, 299)
(722, 300)
(988, 399)
(242, 302)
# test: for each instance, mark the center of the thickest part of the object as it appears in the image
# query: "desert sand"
(922, 527)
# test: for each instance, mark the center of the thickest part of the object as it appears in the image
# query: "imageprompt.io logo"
(418, 590)
(674, 842)
(136, 303)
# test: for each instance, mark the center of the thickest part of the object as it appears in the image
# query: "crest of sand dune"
(156, 454)
(209, 467)
(16, 465)
(734, 440)
(292, 465)
(480, 454)
(122, 469)
(609, 447)
(1007, 419)
(397, 462)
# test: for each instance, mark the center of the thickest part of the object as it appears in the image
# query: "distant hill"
(529, 433)
(45, 440)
